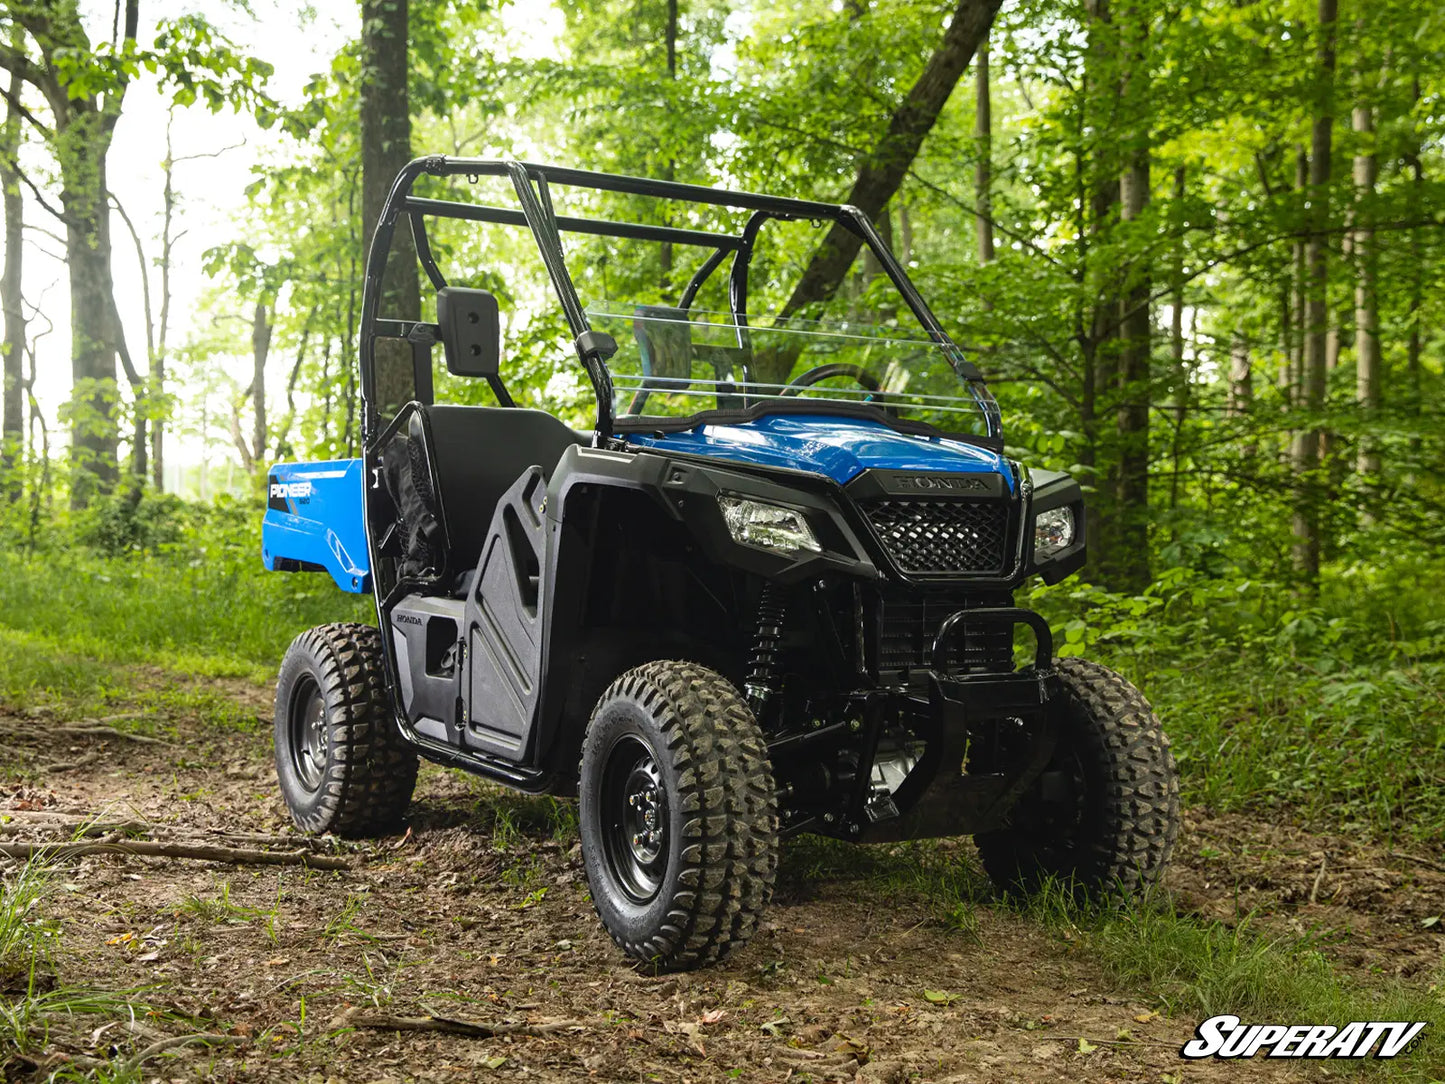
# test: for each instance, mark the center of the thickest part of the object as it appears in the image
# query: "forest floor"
(480, 912)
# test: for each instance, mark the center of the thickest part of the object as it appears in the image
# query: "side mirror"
(471, 331)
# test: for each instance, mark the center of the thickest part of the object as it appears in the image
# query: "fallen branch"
(472, 1029)
(71, 765)
(1418, 861)
(135, 1061)
(87, 729)
(95, 730)
(150, 848)
(76, 826)
(73, 829)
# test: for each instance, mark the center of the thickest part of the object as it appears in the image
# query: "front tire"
(1103, 817)
(678, 815)
(341, 762)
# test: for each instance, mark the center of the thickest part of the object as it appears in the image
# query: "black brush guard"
(938, 798)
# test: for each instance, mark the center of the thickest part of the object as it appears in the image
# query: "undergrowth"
(1189, 968)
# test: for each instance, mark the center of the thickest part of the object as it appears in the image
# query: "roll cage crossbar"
(533, 185)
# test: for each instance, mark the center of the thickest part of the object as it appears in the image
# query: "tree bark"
(1291, 378)
(1130, 559)
(163, 319)
(670, 42)
(983, 146)
(1098, 196)
(1367, 320)
(881, 172)
(260, 350)
(12, 428)
(1307, 444)
(385, 149)
(1241, 378)
(94, 391)
(1414, 342)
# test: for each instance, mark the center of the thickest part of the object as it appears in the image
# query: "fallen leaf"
(494, 1062)
(1433, 920)
(775, 1027)
(712, 1016)
(1124, 1035)
(1146, 1017)
(1086, 1047)
(121, 939)
(940, 997)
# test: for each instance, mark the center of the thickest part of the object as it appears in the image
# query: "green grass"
(204, 613)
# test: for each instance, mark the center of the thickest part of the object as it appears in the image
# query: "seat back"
(477, 454)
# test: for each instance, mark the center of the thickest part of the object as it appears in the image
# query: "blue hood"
(837, 447)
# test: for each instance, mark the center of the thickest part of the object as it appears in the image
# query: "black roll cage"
(533, 183)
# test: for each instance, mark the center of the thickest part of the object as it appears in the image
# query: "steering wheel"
(865, 380)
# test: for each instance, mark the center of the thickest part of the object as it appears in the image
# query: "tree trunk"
(1098, 195)
(1367, 321)
(385, 149)
(260, 349)
(1308, 498)
(12, 429)
(881, 173)
(94, 392)
(1291, 379)
(1413, 345)
(1130, 559)
(983, 144)
(163, 319)
(670, 42)
(1241, 378)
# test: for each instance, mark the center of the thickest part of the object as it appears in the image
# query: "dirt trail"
(480, 912)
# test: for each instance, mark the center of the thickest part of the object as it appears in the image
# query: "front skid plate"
(938, 798)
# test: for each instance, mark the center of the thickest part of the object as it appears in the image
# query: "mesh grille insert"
(941, 536)
(906, 629)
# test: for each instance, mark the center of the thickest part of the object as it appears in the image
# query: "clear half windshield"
(675, 369)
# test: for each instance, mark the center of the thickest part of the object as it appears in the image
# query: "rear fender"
(315, 523)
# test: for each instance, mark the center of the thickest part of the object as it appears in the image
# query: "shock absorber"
(767, 638)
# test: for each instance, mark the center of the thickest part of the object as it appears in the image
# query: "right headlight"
(1053, 532)
(768, 526)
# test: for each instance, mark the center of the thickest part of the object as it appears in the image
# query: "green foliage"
(1328, 707)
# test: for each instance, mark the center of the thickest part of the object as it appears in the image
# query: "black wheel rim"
(634, 812)
(309, 740)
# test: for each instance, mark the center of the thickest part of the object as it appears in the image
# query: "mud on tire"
(342, 765)
(1105, 815)
(678, 815)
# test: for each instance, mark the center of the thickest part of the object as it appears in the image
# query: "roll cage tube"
(532, 183)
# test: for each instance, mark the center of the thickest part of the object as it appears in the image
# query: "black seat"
(477, 453)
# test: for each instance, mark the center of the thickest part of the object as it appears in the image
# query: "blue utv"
(769, 591)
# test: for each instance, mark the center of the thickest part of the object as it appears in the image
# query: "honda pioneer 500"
(768, 591)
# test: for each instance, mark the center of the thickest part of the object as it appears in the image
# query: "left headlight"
(1053, 532)
(767, 526)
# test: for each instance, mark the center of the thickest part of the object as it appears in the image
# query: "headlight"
(1053, 532)
(767, 526)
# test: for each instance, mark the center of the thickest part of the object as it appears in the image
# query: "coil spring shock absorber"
(763, 662)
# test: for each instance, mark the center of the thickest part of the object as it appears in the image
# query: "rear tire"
(341, 762)
(1104, 816)
(678, 815)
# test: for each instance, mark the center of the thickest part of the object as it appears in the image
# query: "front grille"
(930, 537)
(906, 628)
